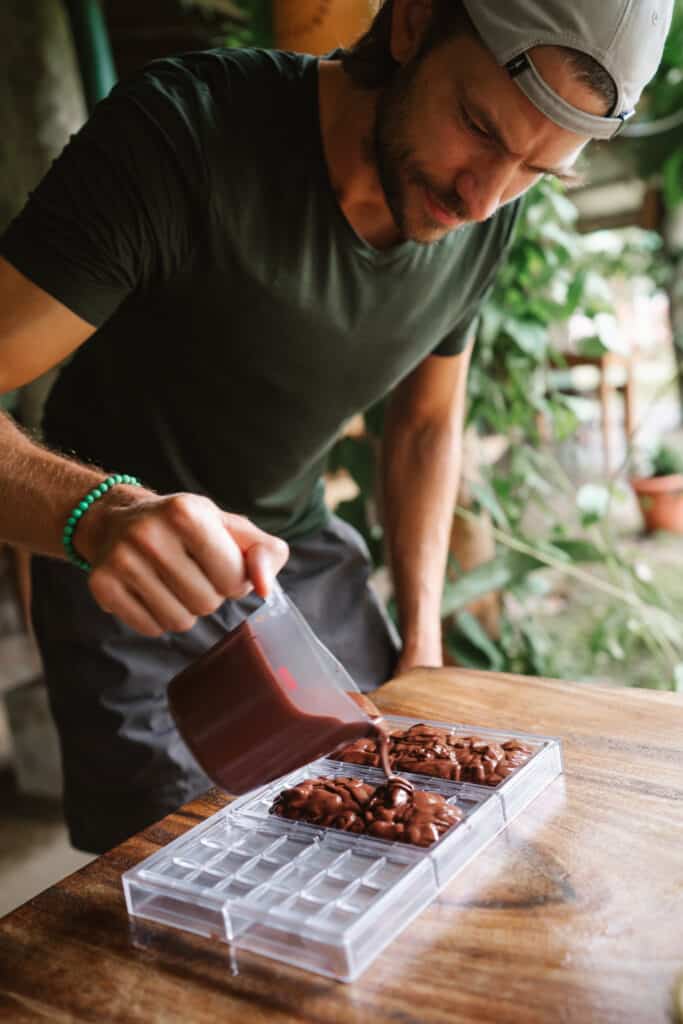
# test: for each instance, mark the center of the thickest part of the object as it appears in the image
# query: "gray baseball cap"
(625, 36)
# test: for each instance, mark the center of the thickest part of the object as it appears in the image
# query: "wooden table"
(574, 914)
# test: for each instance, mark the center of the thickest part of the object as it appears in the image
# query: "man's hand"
(159, 562)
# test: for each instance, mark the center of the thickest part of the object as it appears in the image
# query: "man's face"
(455, 138)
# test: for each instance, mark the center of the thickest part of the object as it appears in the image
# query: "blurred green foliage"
(551, 272)
(666, 461)
(661, 154)
(254, 27)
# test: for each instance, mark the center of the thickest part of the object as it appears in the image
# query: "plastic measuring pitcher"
(266, 699)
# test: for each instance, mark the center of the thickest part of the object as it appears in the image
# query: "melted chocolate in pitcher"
(248, 721)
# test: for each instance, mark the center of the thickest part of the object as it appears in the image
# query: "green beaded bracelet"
(80, 510)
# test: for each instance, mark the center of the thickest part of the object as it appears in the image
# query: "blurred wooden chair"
(615, 375)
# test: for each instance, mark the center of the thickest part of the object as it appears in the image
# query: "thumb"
(264, 553)
(262, 567)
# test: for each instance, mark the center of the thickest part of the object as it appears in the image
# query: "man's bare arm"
(421, 468)
(36, 331)
(159, 561)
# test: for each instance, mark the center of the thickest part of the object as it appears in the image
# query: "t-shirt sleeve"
(457, 338)
(114, 213)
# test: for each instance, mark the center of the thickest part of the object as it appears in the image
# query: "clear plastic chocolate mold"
(323, 899)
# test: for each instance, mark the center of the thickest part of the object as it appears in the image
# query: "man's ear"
(409, 22)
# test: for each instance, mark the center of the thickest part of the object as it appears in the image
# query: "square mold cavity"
(538, 744)
(322, 899)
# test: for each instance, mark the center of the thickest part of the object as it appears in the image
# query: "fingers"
(260, 569)
(129, 587)
(220, 542)
(217, 554)
(179, 557)
(151, 547)
(264, 553)
(186, 579)
(115, 599)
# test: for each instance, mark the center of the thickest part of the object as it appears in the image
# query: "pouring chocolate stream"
(394, 782)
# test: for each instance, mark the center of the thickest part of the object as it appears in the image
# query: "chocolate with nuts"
(393, 811)
(429, 750)
(333, 803)
(409, 815)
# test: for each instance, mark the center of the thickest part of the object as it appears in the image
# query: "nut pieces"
(332, 803)
(393, 811)
(428, 750)
(416, 817)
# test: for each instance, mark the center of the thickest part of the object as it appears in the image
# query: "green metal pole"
(95, 57)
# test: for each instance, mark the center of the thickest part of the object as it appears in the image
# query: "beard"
(400, 173)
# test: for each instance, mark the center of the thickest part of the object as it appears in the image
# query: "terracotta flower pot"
(661, 501)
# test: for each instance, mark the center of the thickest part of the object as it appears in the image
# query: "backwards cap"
(625, 36)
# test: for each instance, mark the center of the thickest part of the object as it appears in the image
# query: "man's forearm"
(420, 480)
(38, 489)
(158, 561)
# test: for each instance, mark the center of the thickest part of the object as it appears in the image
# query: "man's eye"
(473, 126)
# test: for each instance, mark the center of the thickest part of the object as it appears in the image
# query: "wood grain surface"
(574, 914)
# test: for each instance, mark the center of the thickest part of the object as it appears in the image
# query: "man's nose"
(483, 190)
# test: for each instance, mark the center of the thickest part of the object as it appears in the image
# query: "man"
(240, 250)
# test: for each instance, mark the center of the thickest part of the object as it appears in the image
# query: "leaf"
(510, 568)
(356, 455)
(551, 551)
(672, 173)
(561, 238)
(530, 586)
(580, 550)
(538, 652)
(491, 320)
(477, 635)
(374, 418)
(472, 647)
(678, 677)
(531, 337)
(465, 653)
(592, 347)
(565, 420)
(615, 649)
(564, 208)
(593, 500)
(486, 496)
(496, 574)
(575, 291)
(598, 638)
(355, 513)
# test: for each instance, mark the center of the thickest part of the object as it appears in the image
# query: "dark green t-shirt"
(240, 319)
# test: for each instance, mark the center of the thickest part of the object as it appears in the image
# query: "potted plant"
(660, 495)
